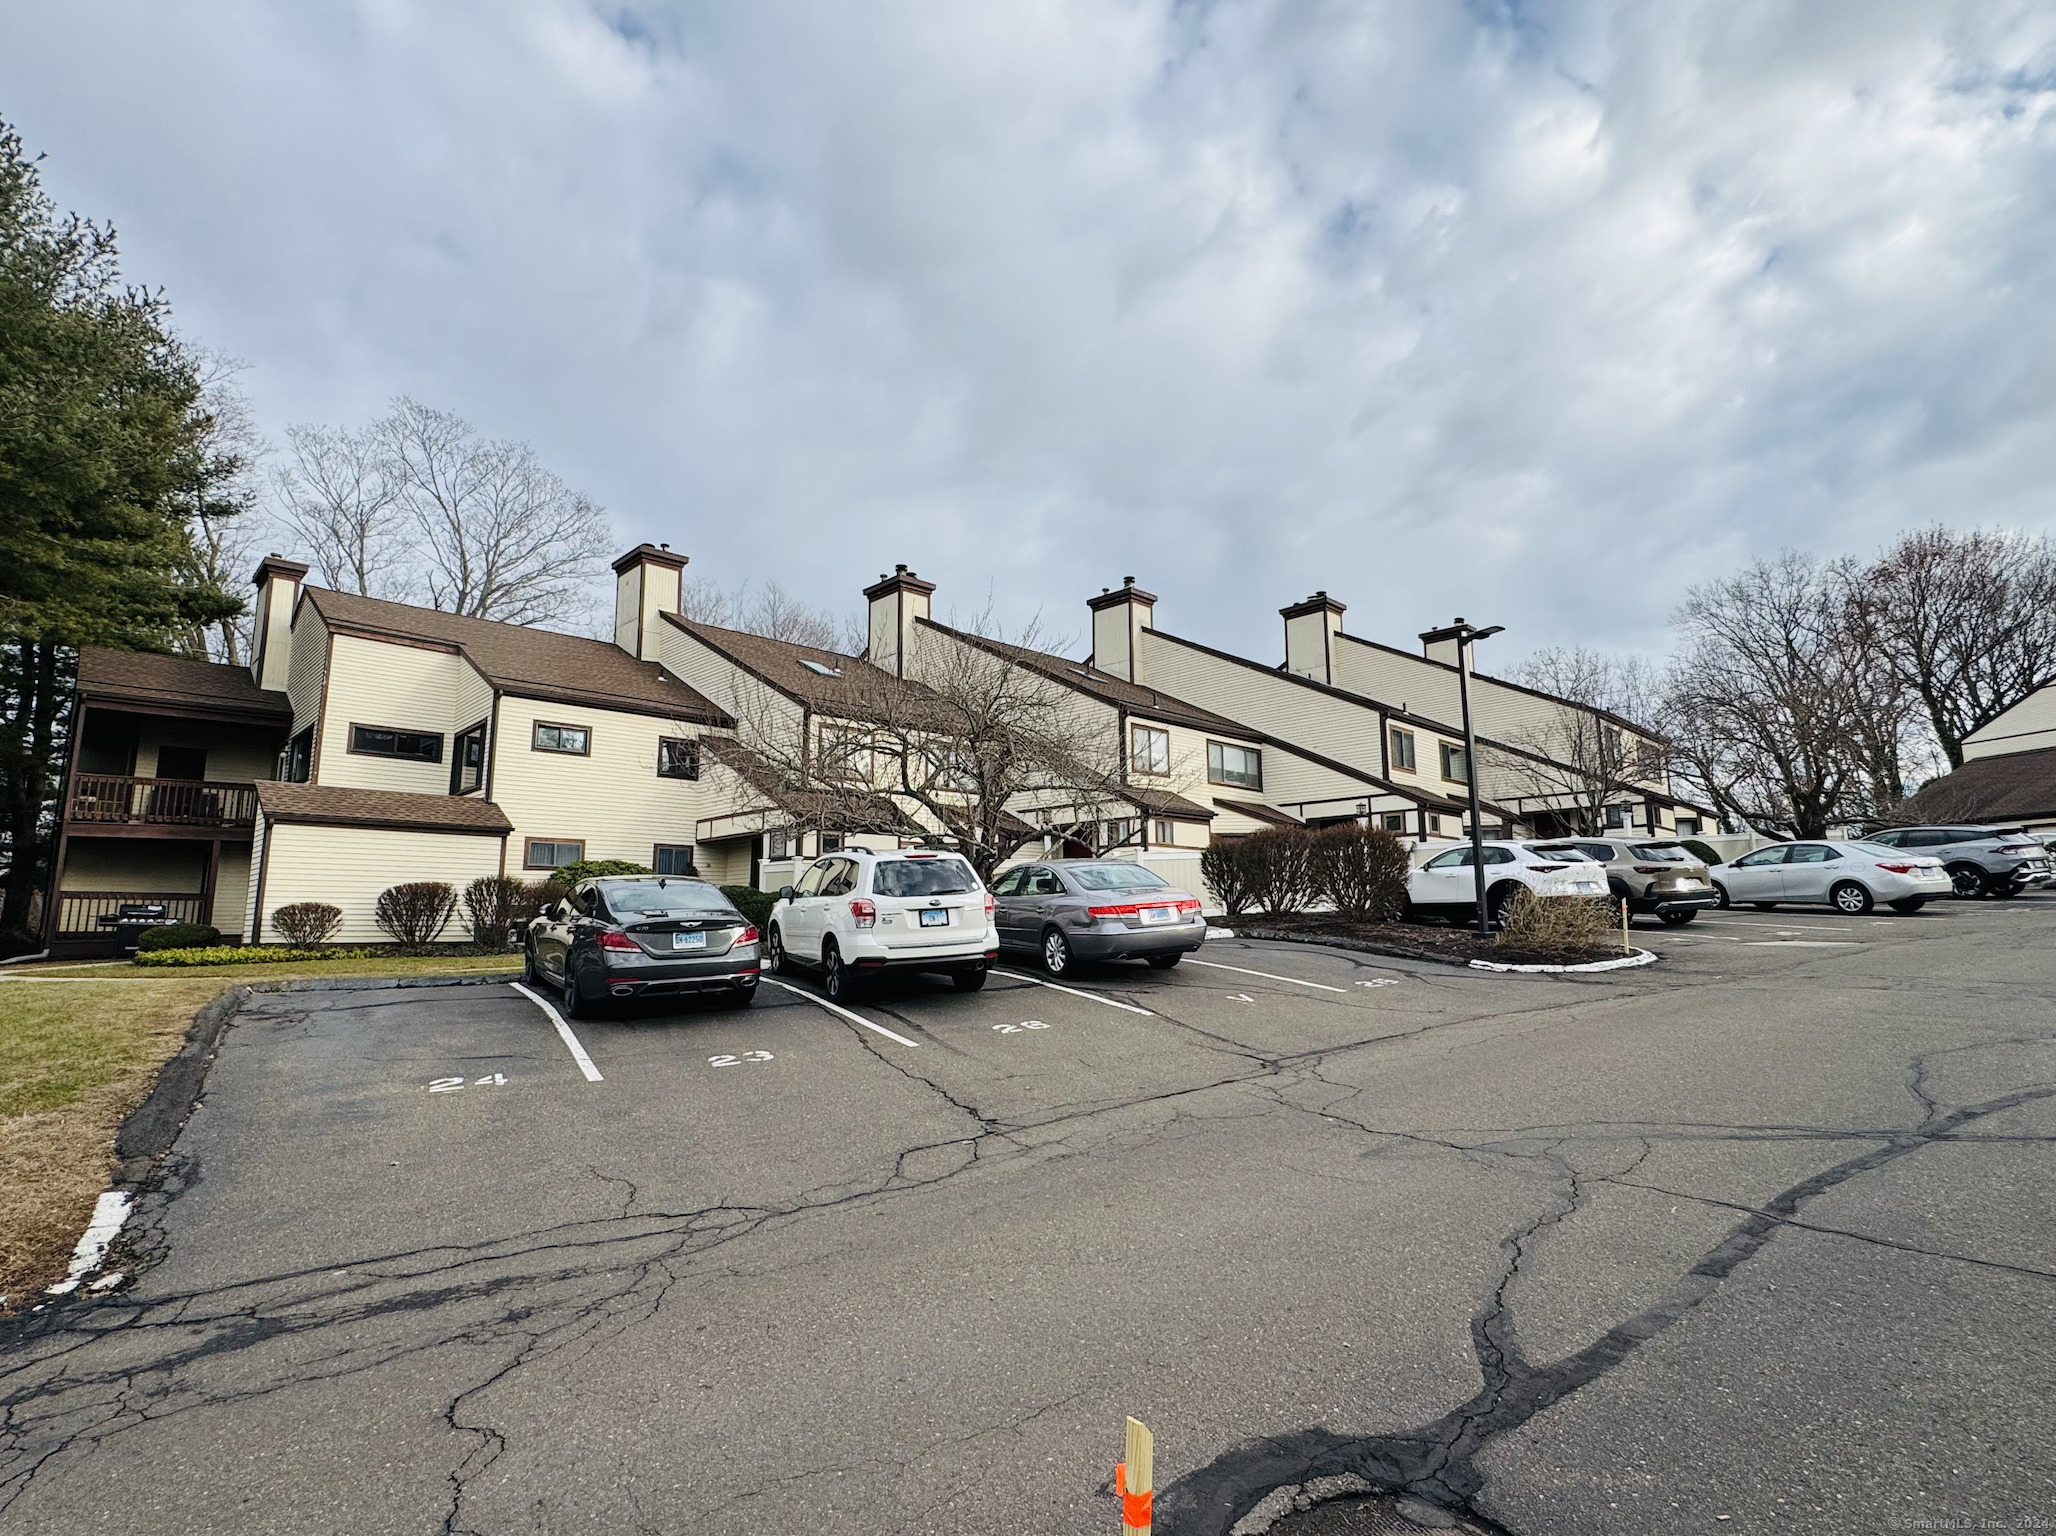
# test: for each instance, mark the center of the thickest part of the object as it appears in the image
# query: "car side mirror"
(784, 893)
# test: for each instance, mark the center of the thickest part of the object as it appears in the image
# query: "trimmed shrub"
(415, 914)
(494, 905)
(177, 936)
(1557, 927)
(307, 924)
(230, 954)
(568, 875)
(1225, 868)
(1281, 868)
(1360, 871)
(750, 902)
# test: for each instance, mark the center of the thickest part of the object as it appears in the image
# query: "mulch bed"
(1446, 943)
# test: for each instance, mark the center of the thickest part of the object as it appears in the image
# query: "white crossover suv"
(859, 913)
(1446, 886)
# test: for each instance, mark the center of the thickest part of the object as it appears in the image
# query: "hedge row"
(244, 954)
(1358, 871)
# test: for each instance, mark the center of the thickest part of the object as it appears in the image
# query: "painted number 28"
(738, 1060)
(1015, 1029)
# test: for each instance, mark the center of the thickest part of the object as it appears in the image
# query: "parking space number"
(1015, 1029)
(456, 1084)
(738, 1059)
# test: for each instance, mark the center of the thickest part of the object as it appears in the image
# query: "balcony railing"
(102, 797)
(80, 913)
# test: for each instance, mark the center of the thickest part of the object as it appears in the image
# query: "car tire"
(968, 981)
(1056, 952)
(836, 979)
(776, 961)
(2001, 886)
(1764, 906)
(1498, 899)
(530, 976)
(742, 997)
(1909, 904)
(575, 1005)
(1165, 962)
(1679, 919)
(1968, 882)
(1721, 892)
(1851, 899)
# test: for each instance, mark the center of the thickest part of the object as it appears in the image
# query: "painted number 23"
(1015, 1029)
(738, 1060)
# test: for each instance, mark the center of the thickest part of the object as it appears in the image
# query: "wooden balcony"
(108, 801)
(99, 914)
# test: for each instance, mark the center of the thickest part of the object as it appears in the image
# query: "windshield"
(923, 877)
(1662, 854)
(1116, 877)
(662, 898)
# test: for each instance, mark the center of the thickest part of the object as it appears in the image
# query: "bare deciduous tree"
(221, 495)
(767, 610)
(339, 500)
(1966, 621)
(1581, 761)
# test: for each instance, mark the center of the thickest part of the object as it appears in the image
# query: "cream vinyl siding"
(708, 673)
(405, 687)
(232, 892)
(348, 867)
(171, 867)
(610, 799)
(235, 755)
(2026, 727)
(1271, 702)
(309, 658)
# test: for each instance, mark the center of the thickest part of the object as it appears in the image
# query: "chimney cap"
(277, 565)
(650, 554)
(901, 580)
(1319, 602)
(1127, 592)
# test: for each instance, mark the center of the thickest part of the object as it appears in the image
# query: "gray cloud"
(1535, 312)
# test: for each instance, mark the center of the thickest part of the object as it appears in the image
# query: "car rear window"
(1116, 877)
(922, 877)
(1557, 851)
(649, 898)
(1657, 853)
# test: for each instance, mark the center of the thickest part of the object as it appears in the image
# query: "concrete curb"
(1617, 963)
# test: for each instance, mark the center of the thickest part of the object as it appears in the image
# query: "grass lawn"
(79, 1049)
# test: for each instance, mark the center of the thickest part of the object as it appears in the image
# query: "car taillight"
(614, 938)
(747, 936)
(988, 903)
(1900, 869)
(1650, 869)
(1547, 869)
(864, 912)
(1111, 911)
(1188, 906)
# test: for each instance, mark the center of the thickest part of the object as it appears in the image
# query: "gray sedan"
(1066, 910)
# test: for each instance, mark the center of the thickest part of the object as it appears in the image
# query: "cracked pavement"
(1762, 1232)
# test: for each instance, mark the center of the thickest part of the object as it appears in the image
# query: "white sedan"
(1446, 886)
(1850, 877)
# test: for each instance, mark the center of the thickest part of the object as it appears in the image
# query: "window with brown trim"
(673, 859)
(551, 853)
(387, 741)
(576, 740)
(1454, 768)
(1150, 750)
(1402, 750)
(677, 758)
(467, 762)
(1237, 767)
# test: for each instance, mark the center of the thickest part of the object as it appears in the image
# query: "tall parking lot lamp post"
(1464, 635)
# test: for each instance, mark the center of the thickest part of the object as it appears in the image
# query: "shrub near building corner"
(414, 915)
(177, 936)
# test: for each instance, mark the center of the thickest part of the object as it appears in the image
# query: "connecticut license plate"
(1159, 914)
(688, 941)
(934, 917)
(1588, 885)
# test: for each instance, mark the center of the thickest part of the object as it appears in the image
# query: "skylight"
(824, 670)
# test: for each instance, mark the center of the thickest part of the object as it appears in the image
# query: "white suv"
(1446, 885)
(858, 913)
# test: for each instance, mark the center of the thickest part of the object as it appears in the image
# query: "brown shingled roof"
(858, 690)
(534, 663)
(141, 677)
(2020, 786)
(324, 805)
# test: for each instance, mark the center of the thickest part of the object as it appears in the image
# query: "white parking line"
(1216, 965)
(1092, 997)
(1745, 922)
(822, 1002)
(585, 1062)
(109, 1212)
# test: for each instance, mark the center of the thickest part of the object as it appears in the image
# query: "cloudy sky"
(1537, 312)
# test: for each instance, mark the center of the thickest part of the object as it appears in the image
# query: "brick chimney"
(278, 588)
(1310, 629)
(648, 580)
(1118, 618)
(895, 602)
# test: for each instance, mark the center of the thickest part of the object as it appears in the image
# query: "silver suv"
(1982, 861)
(1662, 877)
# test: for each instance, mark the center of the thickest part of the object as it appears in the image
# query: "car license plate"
(1688, 885)
(934, 917)
(1588, 885)
(1159, 914)
(688, 941)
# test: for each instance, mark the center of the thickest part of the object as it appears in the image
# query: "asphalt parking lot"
(1753, 1239)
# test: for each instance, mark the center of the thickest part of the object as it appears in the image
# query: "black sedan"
(642, 936)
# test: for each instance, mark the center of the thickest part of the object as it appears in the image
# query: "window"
(1688, 826)
(1242, 767)
(1616, 816)
(1163, 833)
(1811, 853)
(296, 762)
(1603, 852)
(922, 877)
(544, 853)
(1118, 832)
(1450, 860)
(1763, 856)
(841, 878)
(810, 882)
(1116, 877)
(831, 842)
(646, 898)
(846, 751)
(820, 668)
(1402, 750)
(778, 846)
(1010, 883)
(1151, 750)
(1454, 768)
(673, 859)
(412, 746)
(677, 758)
(1395, 821)
(1044, 882)
(575, 739)
(467, 760)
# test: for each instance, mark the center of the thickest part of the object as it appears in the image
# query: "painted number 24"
(454, 1084)
(1015, 1029)
(739, 1059)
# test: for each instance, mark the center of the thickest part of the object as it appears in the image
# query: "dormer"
(1310, 630)
(649, 580)
(1118, 618)
(278, 588)
(893, 604)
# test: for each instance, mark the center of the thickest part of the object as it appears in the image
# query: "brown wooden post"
(1137, 1478)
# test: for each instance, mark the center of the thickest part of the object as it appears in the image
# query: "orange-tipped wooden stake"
(1137, 1478)
(1626, 947)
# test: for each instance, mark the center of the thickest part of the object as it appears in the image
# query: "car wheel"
(2001, 886)
(1967, 881)
(529, 974)
(1721, 892)
(1909, 904)
(575, 1005)
(1165, 962)
(1851, 898)
(741, 997)
(1498, 899)
(1764, 906)
(836, 980)
(1678, 919)
(775, 960)
(968, 981)
(1056, 952)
